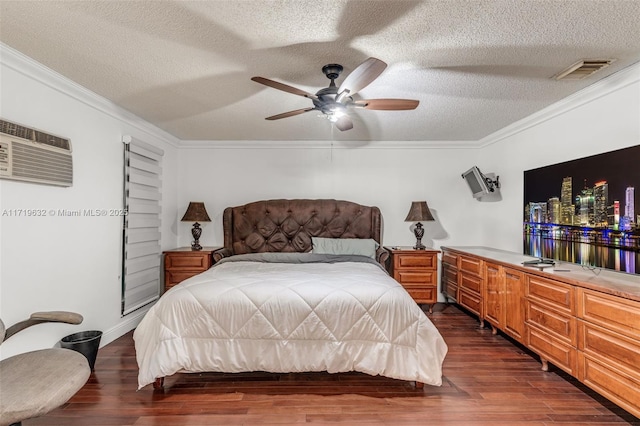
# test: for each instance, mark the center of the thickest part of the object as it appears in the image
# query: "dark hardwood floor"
(488, 380)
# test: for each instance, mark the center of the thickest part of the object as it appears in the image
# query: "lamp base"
(196, 231)
(419, 233)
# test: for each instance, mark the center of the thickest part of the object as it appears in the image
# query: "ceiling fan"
(334, 102)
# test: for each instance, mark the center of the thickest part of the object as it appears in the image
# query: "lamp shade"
(419, 212)
(196, 213)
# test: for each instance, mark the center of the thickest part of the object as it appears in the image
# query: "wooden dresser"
(183, 263)
(585, 323)
(417, 271)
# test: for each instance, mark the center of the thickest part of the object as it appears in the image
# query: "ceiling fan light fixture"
(334, 112)
(334, 116)
(333, 102)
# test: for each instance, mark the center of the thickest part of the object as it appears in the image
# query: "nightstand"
(183, 263)
(417, 271)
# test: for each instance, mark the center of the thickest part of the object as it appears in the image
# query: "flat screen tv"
(586, 211)
(478, 183)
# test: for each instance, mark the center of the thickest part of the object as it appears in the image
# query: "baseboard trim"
(128, 323)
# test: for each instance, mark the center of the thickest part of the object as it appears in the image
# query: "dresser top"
(410, 249)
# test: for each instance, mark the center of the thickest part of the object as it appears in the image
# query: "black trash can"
(85, 342)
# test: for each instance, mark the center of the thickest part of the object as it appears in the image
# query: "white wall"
(376, 174)
(69, 263)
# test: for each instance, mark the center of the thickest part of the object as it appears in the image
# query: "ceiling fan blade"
(283, 87)
(387, 104)
(289, 114)
(344, 123)
(360, 77)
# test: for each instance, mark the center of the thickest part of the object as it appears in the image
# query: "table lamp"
(419, 212)
(196, 213)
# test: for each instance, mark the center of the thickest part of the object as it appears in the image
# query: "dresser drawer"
(450, 290)
(470, 283)
(614, 384)
(450, 281)
(610, 347)
(614, 313)
(553, 293)
(559, 324)
(450, 259)
(450, 272)
(471, 264)
(470, 301)
(417, 277)
(560, 353)
(415, 261)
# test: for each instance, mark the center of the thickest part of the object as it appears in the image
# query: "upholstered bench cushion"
(34, 383)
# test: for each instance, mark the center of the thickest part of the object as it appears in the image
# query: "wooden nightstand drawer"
(176, 277)
(183, 263)
(417, 277)
(417, 271)
(416, 261)
(423, 294)
(187, 261)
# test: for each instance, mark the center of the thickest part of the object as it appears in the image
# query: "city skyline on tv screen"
(619, 170)
(586, 211)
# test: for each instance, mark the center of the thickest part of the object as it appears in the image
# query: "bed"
(299, 286)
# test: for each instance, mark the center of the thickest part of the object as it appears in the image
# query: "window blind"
(141, 254)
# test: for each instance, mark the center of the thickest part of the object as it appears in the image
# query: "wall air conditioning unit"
(30, 155)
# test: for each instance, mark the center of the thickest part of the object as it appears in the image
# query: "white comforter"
(280, 317)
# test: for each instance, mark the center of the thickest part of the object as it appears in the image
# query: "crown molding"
(610, 84)
(314, 144)
(34, 70)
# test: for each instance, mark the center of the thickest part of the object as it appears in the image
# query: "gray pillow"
(358, 246)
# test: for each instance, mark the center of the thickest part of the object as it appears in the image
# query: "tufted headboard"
(288, 225)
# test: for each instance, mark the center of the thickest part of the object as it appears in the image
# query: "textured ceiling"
(185, 66)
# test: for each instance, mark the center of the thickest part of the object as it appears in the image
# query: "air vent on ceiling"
(582, 69)
(33, 156)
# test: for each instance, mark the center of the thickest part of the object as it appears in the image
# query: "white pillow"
(358, 246)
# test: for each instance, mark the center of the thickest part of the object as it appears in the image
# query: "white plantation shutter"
(141, 242)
